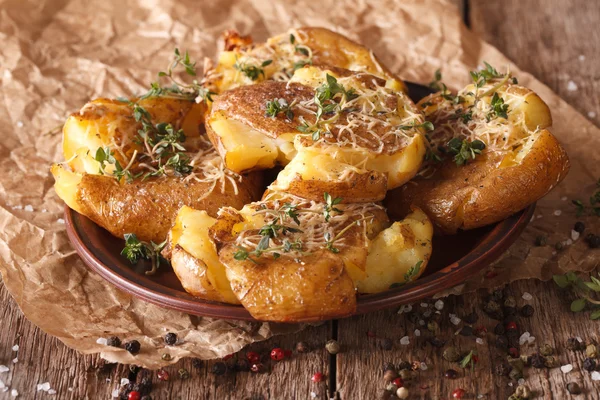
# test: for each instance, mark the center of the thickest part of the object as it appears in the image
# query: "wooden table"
(557, 41)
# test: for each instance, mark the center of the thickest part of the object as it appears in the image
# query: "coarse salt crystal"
(592, 114)
(569, 242)
(313, 395)
(115, 393)
(454, 319)
(19, 124)
(581, 58)
(574, 234)
(102, 341)
(566, 368)
(405, 309)
(510, 384)
(524, 338)
(424, 305)
(43, 386)
(52, 391)
(421, 322)
(417, 332)
(405, 341)
(596, 376)
(427, 314)
(479, 340)
(124, 381)
(521, 381)
(554, 253)
(579, 339)
(571, 86)
(564, 198)
(557, 212)
(14, 393)
(60, 221)
(70, 389)
(28, 207)
(15, 347)
(423, 366)
(4, 368)
(527, 296)
(531, 339)
(2, 385)
(15, 360)
(439, 305)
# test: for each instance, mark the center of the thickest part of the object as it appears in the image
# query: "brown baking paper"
(58, 54)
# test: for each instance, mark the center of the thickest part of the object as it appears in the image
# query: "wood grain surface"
(555, 40)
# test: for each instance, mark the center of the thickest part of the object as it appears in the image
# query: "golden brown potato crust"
(148, 208)
(481, 192)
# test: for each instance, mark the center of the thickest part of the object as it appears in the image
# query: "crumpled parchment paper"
(58, 54)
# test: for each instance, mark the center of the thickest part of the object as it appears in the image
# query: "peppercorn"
(591, 351)
(451, 374)
(525, 359)
(253, 357)
(493, 310)
(406, 374)
(219, 368)
(386, 344)
(183, 373)
(523, 391)
(514, 352)
(497, 295)
(501, 342)
(514, 397)
(402, 393)
(527, 311)
(513, 338)
(579, 227)
(458, 393)
(197, 363)
(451, 354)
(166, 357)
(538, 361)
(404, 365)
(594, 242)
(515, 363)
(398, 382)
(436, 342)
(574, 344)
(551, 362)
(113, 341)
(466, 331)
(573, 388)
(389, 375)
(502, 369)
(145, 385)
(589, 364)
(301, 347)
(499, 329)
(540, 241)
(133, 395)
(433, 326)
(515, 374)
(170, 338)
(277, 354)
(510, 301)
(257, 368)
(480, 331)
(162, 375)
(546, 350)
(133, 347)
(385, 394)
(559, 246)
(317, 377)
(471, 318)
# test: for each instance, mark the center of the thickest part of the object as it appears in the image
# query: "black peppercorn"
(451, 354)
(579, 227)
(546, 349)
(113, 341)
(436, 342)
(589, 364)
(594, 242)
(466, 331)
(515, 374)
(573, 388)
(510, 301)
(145, 386)
(301, 347)
(451, 374)
(559, 246)
(499, 329)
(513, 336)
(493, 310)
(404, 365)
(501, 342)
(502, 369)
(527, 311)
(497, 295)
(471, 318)
(133, 347)
(538, 361)
(183, 373)
(219, 368)
(171, 338)
(574, 344)
(540, 241)
(197, 363)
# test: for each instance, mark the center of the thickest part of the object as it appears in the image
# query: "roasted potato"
(244, 63)
(474, 186)
(290, 259)
(368, 140)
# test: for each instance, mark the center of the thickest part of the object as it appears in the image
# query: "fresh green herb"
(413, 272)
(464, 116)
(105, 156)
(482, 77)
(437, 78)
(431, 155)
(447, 95)
(136, 250)
(426, 104)
(467, 360)
(464, 150)
(499, 108)
(329, 240)
(292, 38)
(276, 106)
(301, 63)
(594, 208)
(242, 254)
(580, 207)
(586, 291)
(252, 71)
(427, 125)
(330, 204)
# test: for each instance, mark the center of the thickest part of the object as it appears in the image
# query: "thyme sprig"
(136, 250)
(586, 291)
(330, 206)
(594, 203)
(464, 150)
(105, 156)
(250, 70)
(276, 106)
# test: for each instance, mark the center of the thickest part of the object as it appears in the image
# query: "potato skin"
(483, 191)
(148, 208)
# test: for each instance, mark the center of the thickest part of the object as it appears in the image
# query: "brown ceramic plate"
(454, 259)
